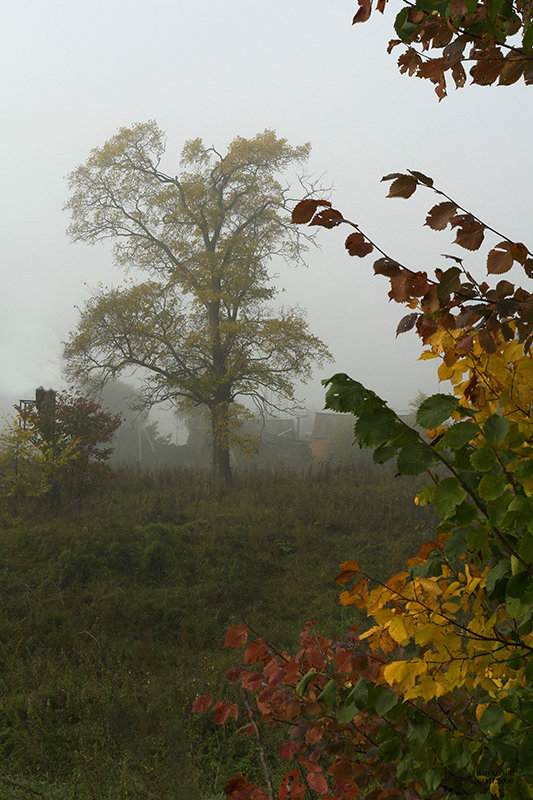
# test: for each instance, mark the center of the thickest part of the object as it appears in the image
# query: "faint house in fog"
(329, 427)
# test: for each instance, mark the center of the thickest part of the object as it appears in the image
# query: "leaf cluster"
(438, 38)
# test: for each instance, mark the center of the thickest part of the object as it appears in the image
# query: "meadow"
(115, 607)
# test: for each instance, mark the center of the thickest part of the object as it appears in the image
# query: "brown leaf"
(365, 9)
(236, 636)
(343, 659)
(426, 327)
(356, 245)
(520, 252)
(500, 258)
(381, 5)
(403, 186)
(328, 218)
(458, 74)
(406, 323)
(485, 72)
(421, 178)
(305, 209)
(465, 343)
(453, 52)
(470, 236)
(386, 266)
(487, 342)
(512, 71)
(202, 703)
(467, 316)
(430, 301)
(440, 215)
(223, 711)
(409, 61)
(458, 8)
(504, 288)
(415, 15)
(254, 651)
(399, 291)
(460, 220)
(418, 284)
(470, 386)
(394, 42)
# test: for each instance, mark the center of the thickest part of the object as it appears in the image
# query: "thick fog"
(75, 72)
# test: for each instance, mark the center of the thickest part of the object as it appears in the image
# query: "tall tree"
(199, 329)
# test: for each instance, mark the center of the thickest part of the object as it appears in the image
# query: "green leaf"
(519, 594)
(526, 753)
(525, 626)
(524, 470)
(456, 544)
(384, 453)
(449, 283)
(415, 458)
(492, 720)
(460, 434)
(384, 700)
(492, 486)
(329, 694)
(483, 459)
(520, 586)
(302, 685)
(526, 548)
(418, 729)
(402, 26)
(497, 573)
(346, 712)
(528, 673)
(435, 410)
(527, 41)
(432, 779)
(448, 494)
(405, 769)
(344, 395)
(390, 750)
(495, 428)
(375, 427)
(359, 693)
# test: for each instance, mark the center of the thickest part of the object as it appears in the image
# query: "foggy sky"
(74, 72)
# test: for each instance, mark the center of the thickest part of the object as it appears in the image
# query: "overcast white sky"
(74, 72)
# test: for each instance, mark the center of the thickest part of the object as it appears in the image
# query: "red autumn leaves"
(452, 299)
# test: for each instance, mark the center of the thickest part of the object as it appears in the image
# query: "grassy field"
(114, 612)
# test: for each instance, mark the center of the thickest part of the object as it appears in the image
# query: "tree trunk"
(220, 436)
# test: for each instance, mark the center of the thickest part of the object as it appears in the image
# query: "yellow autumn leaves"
(448, 617)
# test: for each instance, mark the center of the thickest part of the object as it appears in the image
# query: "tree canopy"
(199, 329)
